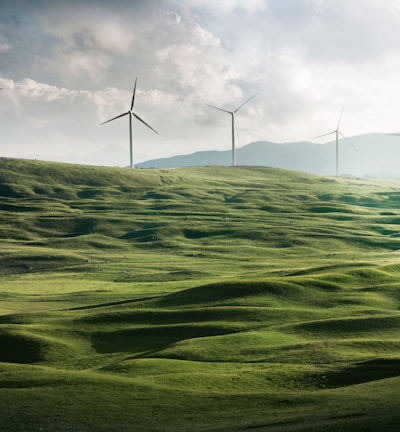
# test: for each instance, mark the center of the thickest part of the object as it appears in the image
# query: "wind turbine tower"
(232, 113)
(131, 114)
(337, 133)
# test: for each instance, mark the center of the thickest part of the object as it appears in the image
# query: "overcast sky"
(66, 66)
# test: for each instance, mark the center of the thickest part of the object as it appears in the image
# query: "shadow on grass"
(152, 338)
(115, 303)
(363, 372)
(16, 348)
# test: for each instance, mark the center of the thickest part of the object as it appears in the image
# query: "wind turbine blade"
(244, 103)
(320, 136)
(340, 118)
(220, 109)
(340, 133)
(145, 123)
(133, 96)
(121, 115)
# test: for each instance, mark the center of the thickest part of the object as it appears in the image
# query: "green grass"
(197, 299)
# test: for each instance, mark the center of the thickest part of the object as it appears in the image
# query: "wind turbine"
(232, 113)
(337, 133)
(131, 114)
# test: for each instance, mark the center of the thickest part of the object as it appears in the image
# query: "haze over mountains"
(375, 155)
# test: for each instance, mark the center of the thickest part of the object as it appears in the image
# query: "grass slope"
(218, 299)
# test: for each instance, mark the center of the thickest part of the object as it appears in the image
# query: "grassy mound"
(218, 299)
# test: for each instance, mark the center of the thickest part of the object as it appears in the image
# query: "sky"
(66, 66)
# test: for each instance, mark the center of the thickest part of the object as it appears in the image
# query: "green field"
(197, 299)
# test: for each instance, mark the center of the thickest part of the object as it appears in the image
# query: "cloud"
(87, 28)
(87, 40)
(183, 58)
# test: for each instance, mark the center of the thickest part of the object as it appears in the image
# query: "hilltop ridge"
(368, 155)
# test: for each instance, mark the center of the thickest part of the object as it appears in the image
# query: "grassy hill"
(197, 299)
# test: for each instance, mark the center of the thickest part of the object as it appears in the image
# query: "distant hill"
(375, 155)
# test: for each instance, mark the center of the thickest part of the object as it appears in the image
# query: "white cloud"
(193, 66)
(31, 89)
(86, 27)
(86, 40)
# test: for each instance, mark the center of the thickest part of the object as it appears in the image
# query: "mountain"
(372, 154)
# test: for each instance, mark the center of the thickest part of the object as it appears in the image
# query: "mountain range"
(368, 155)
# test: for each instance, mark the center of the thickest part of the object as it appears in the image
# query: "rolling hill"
(192, 299)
